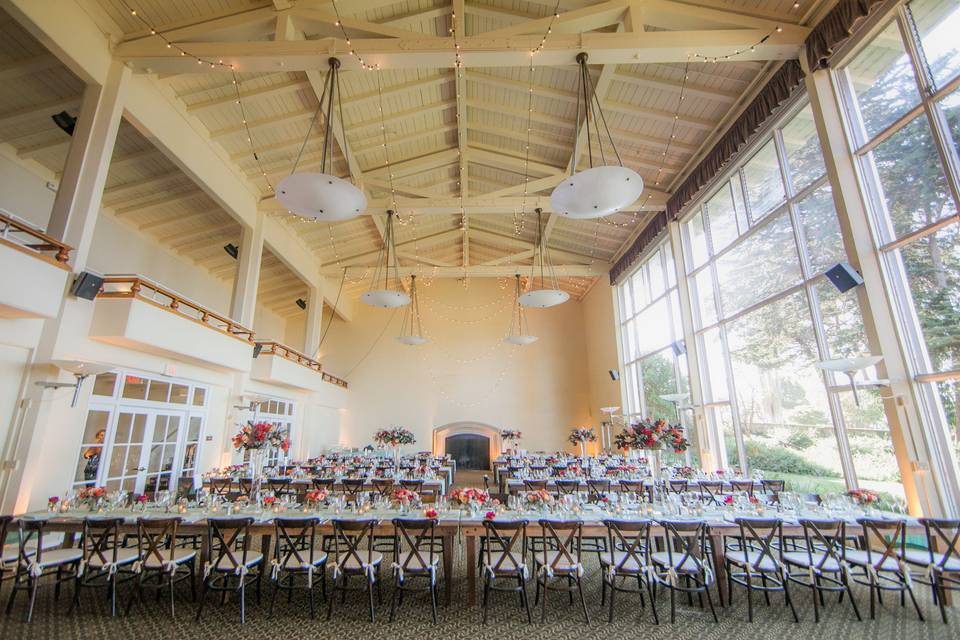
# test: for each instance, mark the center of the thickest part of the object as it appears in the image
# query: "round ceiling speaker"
(520, 340)
(544, 298)
(413, 341)
(597, 192)
(385, 298)
(321, 197)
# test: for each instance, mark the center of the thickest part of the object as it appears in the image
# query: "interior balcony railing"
(270, 347)
(22, 236)
(132, 286)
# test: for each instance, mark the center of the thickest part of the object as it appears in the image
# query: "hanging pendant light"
(545, 291)
(411, 333)
(322, 196)
(602, 189)
(386, 292)
(519, 333)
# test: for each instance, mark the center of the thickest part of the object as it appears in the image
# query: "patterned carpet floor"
(507, 620)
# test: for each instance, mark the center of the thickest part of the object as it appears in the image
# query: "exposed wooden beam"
(157, 202)
(479, 271)
(269, 91)
(125, 191)
(27, 153)
(675, 86)
(27, 66)
(34, 111)
(589, 18)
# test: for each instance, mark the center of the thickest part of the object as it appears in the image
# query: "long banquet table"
(454, 527)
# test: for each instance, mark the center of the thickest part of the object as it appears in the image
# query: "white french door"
(145, 450)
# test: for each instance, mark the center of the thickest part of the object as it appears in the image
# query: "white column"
(311, 340)
(927, 493)
(244, 300)
(77, 203)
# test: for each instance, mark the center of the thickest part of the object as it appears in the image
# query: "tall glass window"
(903, 110)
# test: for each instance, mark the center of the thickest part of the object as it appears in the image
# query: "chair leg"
(749, 598)
(816, 602)
(486, 598)
(393, 598)
(172, 603)
(652, 590)
(13, 592)
(333, 596)
(526, 598)
(583, 601)
(543, 602)
(34, 584)
(603, 590)
(710, 602)
(673, 605)
(613, 592)
(433, 600)
(243, 600)
(849, 592)
(273, 595)
(203, 598)
(370, 593)
(113, 595)
(786, 596)
(914, 600)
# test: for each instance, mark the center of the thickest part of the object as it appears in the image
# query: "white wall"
(601, 342)
(23, 191)
(466, 373)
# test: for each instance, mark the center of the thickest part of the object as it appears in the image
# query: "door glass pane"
(104, 384)
(764, 183)
(759, 266)
(784, 416)
(933, 272)
(938, 22)
(870, 444)
(179, 393)
(802, 147)
(696, 242)
(91, 451)
(883, 81)
(722, 219)
(911, 178)
(139, 424)
(199, 396)
(821, 231)
(159, 391)
(122, 435)
(118, 461)
(134, 388)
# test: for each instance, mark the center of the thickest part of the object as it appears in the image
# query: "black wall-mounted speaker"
(257, 348)
(614, 374)
(844, 277)
(87, 285)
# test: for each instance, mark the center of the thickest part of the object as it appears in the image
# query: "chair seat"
(558, 563)
(921, 558)
(411, 563)
(506, 567)
(623, 562)
(859, 558)
(748, 557)
(55, 557)
(801, 559)
(292, 564)
(125, 556)
(224, 564)
(180, 556)
(680, 563)
(9, 553)
(353, 564)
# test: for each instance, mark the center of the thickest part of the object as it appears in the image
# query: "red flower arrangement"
(394, 437)
(540, 496)
(652, 434)
(91, 493)
(581, 435)
(468, 495)
(863, 497)
(490, 515)
(269, 500)
(142, 498)
(317, 496)
(52, 500)
(404, 496)
(430, 513)
(259, 435)
(509, 435)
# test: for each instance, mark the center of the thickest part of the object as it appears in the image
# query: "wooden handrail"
(334, 380)
(9, 224)
(120, 286)
(271, 347)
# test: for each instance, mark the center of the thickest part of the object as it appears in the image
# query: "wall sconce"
(850, 367)
(80, 371)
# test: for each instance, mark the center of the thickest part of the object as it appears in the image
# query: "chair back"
(353, 541)
(535, 485)
(352, 487)
(888, 535)
(760, 540)
(227, 543)
(631, 538)
(597, 489)
(383, 486)
(773, 487)
(744, 486)
(567, 487)
(511, 550)
(4, 527)
(561, 548)
(156, 541)
(323, 484)
(30, 542)
(221, 486)
(710, 491)
(185, 487)
(245, 484)
(824, 540)
(686, 546)
(416, 538)
(100, 541)
(413, 485)
(942, 534)
(678, 486)
(295, 546)
(280, 486)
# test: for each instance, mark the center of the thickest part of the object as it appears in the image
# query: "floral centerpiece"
(540, 498)
(257, 438)
(405, 497)
(686, 472)
(511, 436)
(469, 497)
(316, 497)
(91, 495)
(864, 497)
(653, 436)
(581, 436)
(394, 437)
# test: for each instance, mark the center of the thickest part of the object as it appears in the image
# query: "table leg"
(720, 570)
(448, 542)
(471, 561)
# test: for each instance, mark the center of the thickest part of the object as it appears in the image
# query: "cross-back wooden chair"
(638, 487)
(628, 542)
(597, 489)
(245, 486)
(34, 563)
(678, 485)
(162, 563)
(711, 491)
(820, 564)
(105, 561)
(534, 485)
(352, 488)
(323, 484)
(742, 486)
(757, 564)
(415, 554)
(354, 556)
(221, 487)
(566, 487)
(295, 556)
(505, 545)
(560, 560)
(773, 487)
(384, 487)
(684, 566)
(231, 564)
(281, 486)
(884, 544)
(940, 560)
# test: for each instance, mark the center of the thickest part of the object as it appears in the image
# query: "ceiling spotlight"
(232, 250)
(301, 303)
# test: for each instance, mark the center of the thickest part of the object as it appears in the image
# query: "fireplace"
(472, 444)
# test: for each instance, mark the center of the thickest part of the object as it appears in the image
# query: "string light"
(350, 49)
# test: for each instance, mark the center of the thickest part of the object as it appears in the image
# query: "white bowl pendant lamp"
(519, 333)
(603, 189)
(322, 196)
(411, 333)
(385, 292)
(545, 291)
